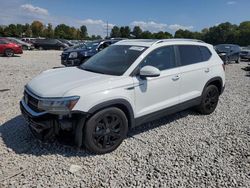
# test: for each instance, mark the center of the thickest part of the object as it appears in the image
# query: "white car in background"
(127, 84)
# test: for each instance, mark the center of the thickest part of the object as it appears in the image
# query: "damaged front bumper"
(46, 126)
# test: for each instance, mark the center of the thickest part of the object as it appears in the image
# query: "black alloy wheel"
(105, 130)
(209, 101)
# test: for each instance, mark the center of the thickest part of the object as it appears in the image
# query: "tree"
(27, 30)
(11, 31)
(48, 32)
(137, 31)
(125, 32)
(146, 35)
(95, 37)
(1, 31)
(244, 33)
(62, 31)
(37, 28)
(115, 32)
(162, 35)
(84, 32)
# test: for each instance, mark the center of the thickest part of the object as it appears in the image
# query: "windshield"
(114, 60)
(91, 45)
(80, 46)
(223, 48)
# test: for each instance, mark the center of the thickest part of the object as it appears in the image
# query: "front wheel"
(210, 98)
(9, 53)
(105, 130)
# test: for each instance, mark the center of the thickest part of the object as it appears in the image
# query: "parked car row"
(76, 55)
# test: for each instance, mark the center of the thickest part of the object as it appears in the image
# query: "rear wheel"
(210, 98)
(9, 53)
(40, 48)
(105, 130)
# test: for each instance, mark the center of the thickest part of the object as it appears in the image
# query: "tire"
(105, 130)
(209, 101)
(40, 48)
(24, 47)
(238, 60)
(9, 53)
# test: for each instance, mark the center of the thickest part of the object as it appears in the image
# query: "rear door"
(194, 70)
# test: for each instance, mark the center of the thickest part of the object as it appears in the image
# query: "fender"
(120, 103)
(215, 79)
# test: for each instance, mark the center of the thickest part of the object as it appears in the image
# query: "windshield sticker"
(137, 48)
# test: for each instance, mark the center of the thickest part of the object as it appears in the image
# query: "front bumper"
(38, 122)
(45, 126)
(70, 62)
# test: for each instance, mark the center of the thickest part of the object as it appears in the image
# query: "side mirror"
(149, 71)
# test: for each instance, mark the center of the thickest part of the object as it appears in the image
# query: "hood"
(78, 50)
(57, 82)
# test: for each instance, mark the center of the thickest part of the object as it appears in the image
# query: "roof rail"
(177, 39)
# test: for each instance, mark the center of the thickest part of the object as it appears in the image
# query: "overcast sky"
(154, 15)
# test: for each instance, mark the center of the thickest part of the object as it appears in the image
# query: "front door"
(157, 93)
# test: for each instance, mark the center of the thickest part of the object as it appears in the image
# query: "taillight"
(224, 67)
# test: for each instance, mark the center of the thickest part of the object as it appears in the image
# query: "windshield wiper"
(90, 70)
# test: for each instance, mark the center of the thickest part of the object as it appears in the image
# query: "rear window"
(206, 54)
(190, 54)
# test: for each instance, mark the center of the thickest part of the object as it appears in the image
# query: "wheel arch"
(122, 104)
(217, 81)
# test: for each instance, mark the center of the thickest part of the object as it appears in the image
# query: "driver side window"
(162, 58)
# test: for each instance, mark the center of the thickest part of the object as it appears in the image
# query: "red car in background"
(8, 48)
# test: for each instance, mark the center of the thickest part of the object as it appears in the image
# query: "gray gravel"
(181, 150)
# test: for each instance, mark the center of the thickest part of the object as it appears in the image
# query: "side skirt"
(167, 111)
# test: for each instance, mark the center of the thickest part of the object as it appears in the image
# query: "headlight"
(73, 55)
(58, 105)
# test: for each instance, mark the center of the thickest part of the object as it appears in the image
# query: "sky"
(153, 15)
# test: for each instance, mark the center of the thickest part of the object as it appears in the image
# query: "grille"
(31, 102)
(64, 56)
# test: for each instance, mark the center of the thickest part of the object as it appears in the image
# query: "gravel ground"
(181, 150)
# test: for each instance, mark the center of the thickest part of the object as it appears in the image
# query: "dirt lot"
(181, 150)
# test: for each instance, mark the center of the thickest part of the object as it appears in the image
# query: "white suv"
(125, 85)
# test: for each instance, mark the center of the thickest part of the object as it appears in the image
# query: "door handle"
(175, 78)
(207, 70)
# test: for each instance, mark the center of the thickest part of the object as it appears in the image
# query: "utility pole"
(107, 30)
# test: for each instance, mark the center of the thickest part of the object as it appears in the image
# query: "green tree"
(162, 35)
(1, 31)
(62, 31)
(27, 30)
(95, 37)
(137, 31)
(48, 31)
(146, 35)
(11, 31)
(125, 32)
(223, 33)
(84, 32)
(115, 32)
(244, 33)
(37, 28)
